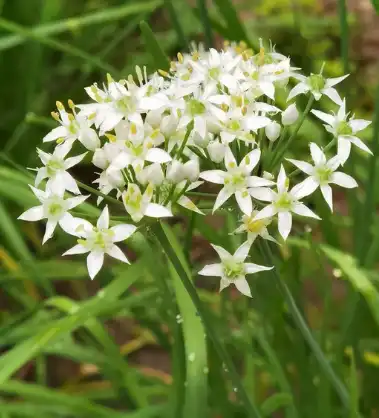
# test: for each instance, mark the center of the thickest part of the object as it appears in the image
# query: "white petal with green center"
(222, 253)
(343, 149)
(317, 155)
(243, 286)
(333, 95)
(267, 212)
(103, 221)
(326, 191)
(222, 197)
(325, 117)
(284, 224)
(242, 252)
(122, 232)
(302, 210)
(49, 231)
(212, 270)
(305, 188)
(95, 260)
(251, 268)
(343, 180)
(213, 176)
(244, 201)
(157, 211)
(77, 249)
(33, 214)
(115, 252)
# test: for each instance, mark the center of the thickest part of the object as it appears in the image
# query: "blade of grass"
(207, 27)
(161, 60)
(109, 14)
(196, 397)
(182, 41)
(160, 232)
(344, 26)
(60, 46)
(304, 329)
(235, 27)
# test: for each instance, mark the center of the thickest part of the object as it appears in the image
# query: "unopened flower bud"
(273, 131)
(100, 159)
(199, 140)
(152, 174)
(192, 170)
(216, 151)
(175, 172)
(267, 175)
(290, 115)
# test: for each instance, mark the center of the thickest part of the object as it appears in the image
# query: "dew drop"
(191, 357)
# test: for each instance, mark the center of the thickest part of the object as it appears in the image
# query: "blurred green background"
(70, 350)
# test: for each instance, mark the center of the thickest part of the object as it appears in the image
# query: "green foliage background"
(50, 50)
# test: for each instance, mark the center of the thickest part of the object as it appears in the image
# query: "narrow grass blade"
(235, 27)
(304, 329)
(207, 27)
(375, 4)
(169, 4)
(161, 60)
(196, 398)
(52, 43)
(344, 26)
(275, 402)
(109, 14)
(160, 232)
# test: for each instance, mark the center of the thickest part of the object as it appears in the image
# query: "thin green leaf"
(275, 402)
(109, 14)
(344, 25)
(235, 28)
(169, 4)
(161, 60)
(207, 27)
(196, 397)
(375, 4)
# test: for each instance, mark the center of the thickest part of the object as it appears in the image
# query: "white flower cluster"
(212, 118)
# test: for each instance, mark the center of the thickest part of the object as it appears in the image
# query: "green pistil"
(195, 107)
(316, 82)
(233, 269)
(284, 202)
(55, 209)
(234, 125)
(214, 73)
(54, 165)
(323, 174)
(344, 129)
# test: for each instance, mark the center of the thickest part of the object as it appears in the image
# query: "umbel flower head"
(206, 136)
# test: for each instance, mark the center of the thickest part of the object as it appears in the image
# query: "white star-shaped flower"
(73, 126)
(255, 228)
(99, 240)
(318, 86)
(344, 129)
(284, 202)
(54, 208)
(55, 166)
(233, 268)
(321, 174)
(237, 180)
(139, 205)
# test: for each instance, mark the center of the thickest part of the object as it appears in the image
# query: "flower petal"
(333, 95)
(95, 260)
(242, 252)
(359, 124)
(157, 155)
(243, 286)
(302, 165)
(230, 161)
(103, 221)
(343, 180)
(222, 253)
(77, 200)
(360, 144)
(333, 81)
(115, 252)
(250, 160)
(33, 214)
(70, 162)
(49, 231)
(222, 197)
(77, 249)
(305, 188)
(325, 117)
(254, 181)
(251, 268)
(266, 212)
(213, 176)
(212, 270)
(157, 211)
(284, 224)
(343, 149)
(298, 89)
(122, 232)
(326, 191)
(317, 155)
(302, 210)
(59, 132)
(281, 183)
(262, 193)
(244, 201)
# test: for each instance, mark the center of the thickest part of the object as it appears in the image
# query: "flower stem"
(96, 192)
(251, 409)
(299, 124)
(304, 329)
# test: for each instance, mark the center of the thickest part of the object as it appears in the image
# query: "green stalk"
(304, 329)
(160, 233)
(344, 34)
(299, 124)
(203, 12)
